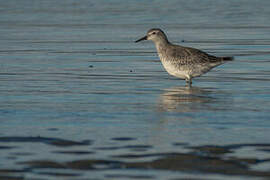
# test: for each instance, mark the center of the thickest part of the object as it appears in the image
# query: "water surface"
(80, 100)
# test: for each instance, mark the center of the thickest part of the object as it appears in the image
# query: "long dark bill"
(143, 38)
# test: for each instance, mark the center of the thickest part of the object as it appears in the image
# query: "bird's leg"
(188, 82)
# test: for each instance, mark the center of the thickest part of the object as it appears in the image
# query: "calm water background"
(71, 70)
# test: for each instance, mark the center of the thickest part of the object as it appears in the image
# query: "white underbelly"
(174, 71)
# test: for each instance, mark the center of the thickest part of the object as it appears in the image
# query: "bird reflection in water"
(185, 99)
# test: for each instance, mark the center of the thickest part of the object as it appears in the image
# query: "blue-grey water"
(70, 70)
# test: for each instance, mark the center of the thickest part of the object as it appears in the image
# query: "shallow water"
(80, 100)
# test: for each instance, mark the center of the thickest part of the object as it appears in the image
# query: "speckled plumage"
(183, 62)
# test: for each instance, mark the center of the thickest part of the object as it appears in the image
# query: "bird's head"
(154, 35)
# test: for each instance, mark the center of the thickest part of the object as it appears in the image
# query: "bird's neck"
(161, 45)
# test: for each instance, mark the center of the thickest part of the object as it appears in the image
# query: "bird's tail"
(227, 58)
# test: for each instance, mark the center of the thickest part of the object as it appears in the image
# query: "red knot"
(182, 62)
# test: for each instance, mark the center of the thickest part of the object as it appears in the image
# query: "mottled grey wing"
(190, 56)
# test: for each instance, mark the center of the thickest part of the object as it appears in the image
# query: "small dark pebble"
(91, 66)
(183, 40)
(130, 71)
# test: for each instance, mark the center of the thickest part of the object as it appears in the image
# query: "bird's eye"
(154, 33)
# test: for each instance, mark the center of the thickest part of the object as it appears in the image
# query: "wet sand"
(201, 160)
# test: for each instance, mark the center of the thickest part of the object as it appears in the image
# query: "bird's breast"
(172, 67)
